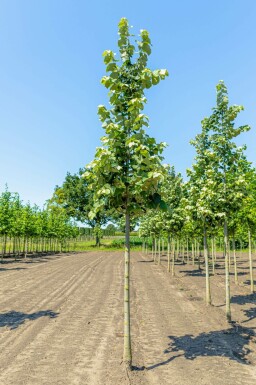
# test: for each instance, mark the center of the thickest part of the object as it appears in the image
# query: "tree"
(127, 169)
(247, 216)
(229, 167)
(77, 199)
(202, 192)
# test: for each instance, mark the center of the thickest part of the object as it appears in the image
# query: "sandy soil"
(61, 324)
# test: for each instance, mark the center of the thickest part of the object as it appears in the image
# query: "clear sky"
(51, 65)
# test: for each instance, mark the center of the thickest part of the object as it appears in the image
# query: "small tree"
(127, 169)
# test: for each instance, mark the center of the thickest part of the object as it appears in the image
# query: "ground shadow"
(250, 314)
(239, 274)
(248, 282)
(244, 299)
(231, 343)
(193, 273)
(14, 319)
(32, 258)
(12, 268)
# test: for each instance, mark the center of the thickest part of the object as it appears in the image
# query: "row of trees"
(25, 228)
(128, 183)
(220, 194)
(127, 175)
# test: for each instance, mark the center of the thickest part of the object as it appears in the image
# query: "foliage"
(127, 169)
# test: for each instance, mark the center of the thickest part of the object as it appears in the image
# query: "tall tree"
(127, 169)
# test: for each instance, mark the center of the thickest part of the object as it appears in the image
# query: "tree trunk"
(168, 255)
(250, 261)
(159, 251)
(207, 275)
(127, 329)
(215, 251)
(173, 257)
(234, 256)
(155, 251)
(193, 253)
(213, 260)
(97, 240)
(4, 246)
(187, 251)
(228, 308)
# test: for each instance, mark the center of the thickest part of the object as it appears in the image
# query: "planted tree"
(202, 192)
(127, 170)
(77, 199)
(230, 166)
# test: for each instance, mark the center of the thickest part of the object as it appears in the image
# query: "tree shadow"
(239, 274)
(248, 282)
(250, 314)
(12, 268)
(243, 299)
(150, 261)
(193, 273)
(231, 343)
(14, 319)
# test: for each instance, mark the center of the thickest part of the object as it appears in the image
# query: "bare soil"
(61, 323)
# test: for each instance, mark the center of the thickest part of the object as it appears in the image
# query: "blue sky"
(51, 65)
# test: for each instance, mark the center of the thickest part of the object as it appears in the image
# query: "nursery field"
(61, 320)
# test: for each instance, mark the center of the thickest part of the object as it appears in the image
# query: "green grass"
(108, 244)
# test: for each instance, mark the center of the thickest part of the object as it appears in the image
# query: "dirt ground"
(61, 323)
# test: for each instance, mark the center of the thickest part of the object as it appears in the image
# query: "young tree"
(127, 169)
(247, 215)
(202, 192)
(229, 165)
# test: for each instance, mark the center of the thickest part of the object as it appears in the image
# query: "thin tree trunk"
(187, 251)
(234, 256)
(168, 255)
(155, 244)
(250, 261)
(213, 261)
(127, 322)
(183, 251)
(4, 246)
(207, 275)
(199, 255)
(215, 252)
(159, 251)
(228, 308)
(173, 257)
